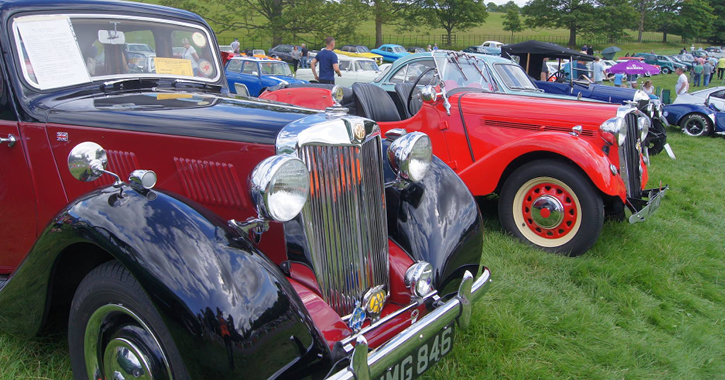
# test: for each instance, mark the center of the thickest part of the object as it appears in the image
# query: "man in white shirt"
(235, 46)
(598, 68)
(682, 85)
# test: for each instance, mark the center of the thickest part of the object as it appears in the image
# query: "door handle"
(10, 140)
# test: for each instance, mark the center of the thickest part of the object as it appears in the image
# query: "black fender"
(198, 272)
(436, 220)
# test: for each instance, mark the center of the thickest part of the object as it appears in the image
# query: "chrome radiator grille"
(629, 158)
(345, 220)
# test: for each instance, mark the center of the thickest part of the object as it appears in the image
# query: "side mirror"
(87, 161)
(428, 94)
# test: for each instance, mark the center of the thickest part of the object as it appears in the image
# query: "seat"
(403, 91)
(374, 103)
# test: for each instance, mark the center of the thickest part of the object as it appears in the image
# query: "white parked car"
(716, 94)
(353, 69)
(492, 44)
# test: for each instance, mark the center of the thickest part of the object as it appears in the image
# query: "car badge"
(359, 131)
(357, 317)
(374, 301)
(61, 136)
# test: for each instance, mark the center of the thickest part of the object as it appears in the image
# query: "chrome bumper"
(365, 366)
(655, 197)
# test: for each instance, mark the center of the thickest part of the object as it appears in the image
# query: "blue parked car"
(390, 52)
(696, 119)
(257, 74)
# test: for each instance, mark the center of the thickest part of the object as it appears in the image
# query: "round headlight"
(410, 156)
(280, 186)
(615, 127)
(337, 94)
(640, 95)
(419, 279)
(643, 124)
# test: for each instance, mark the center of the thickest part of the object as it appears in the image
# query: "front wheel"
(115, 332)
(549, 204)
(696, 125)
(666, 70)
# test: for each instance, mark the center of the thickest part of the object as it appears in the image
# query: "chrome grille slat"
(629, 158)
(345, 220)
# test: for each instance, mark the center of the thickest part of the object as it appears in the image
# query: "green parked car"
(666, 66)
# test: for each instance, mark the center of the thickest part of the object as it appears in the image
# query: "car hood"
(186, 114)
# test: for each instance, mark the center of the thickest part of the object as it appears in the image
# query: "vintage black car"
(184, 234)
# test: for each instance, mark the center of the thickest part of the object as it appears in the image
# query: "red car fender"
(309, 97)
(483, 176)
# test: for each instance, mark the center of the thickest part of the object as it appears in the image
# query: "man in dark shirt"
(305, 57)
(328, 63)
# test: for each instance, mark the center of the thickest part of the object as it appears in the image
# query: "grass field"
(647, 302)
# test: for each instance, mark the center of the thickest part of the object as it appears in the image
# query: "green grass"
(646, 302)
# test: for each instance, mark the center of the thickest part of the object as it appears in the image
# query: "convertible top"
(532, 54)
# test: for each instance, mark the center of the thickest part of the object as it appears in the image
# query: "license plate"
(422, 358)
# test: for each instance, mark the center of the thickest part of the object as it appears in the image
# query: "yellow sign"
(173, 96)
(173, 66)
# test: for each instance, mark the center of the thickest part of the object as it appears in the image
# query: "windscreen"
(463, 70)
(57, 50)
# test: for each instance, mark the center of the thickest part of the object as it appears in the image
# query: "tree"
(664, 18)
(611, 19)
(644, 8)
(695, 19)
(452, 15)
(509, 5)
(492, 7)
(569, 14)
(718, 25)
(512, 22)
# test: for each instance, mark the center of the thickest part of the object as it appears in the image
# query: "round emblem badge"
(199, 39)
(206, 67)
(359, 131)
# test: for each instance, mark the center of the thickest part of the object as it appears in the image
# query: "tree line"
(313, 20)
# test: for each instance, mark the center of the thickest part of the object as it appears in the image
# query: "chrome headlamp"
(643, 124)
(640, 95)
(410, 156)
(280, 186)
(615, 126)
(419, 279)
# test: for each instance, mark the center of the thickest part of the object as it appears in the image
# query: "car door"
(233, 72)
(18, 213)
(251, 77)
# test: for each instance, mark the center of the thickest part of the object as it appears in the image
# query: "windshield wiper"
(129, 84)
(197, 84)
(453, 59)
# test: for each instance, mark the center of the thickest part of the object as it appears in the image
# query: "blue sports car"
(257, 74)
(390, 52)
(696, 119)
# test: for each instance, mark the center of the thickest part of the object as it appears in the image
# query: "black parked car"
(283, 52)
(211, 237)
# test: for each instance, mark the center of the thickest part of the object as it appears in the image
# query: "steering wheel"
(555, 75)
(409, 101)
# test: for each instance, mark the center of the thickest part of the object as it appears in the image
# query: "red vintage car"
(185, 234)
(558, 166)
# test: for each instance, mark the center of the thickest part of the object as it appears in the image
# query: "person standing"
(435, 46)
(328, 63)
(544, 70)
(296, 56)
(429, 48)
(682, 85)
(618, 79)
(190, 54)
(697, 73)
(590, 49)
(599, 71)
(720, 67)
(692, 47)
(707, 73)
(235, 45)
(648, 88)
(305, 59)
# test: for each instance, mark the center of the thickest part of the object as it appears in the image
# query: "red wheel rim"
(555, 193)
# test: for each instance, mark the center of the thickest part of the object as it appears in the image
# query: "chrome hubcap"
(131, 352)
(123, 360)
(547, 212)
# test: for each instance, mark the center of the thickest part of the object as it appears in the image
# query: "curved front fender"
(483, 176)
(675, 112)
(198, 272)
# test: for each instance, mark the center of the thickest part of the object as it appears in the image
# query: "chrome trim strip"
(402, 344)
(652, 205)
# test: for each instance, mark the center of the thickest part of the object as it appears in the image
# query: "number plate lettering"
(422, 358)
